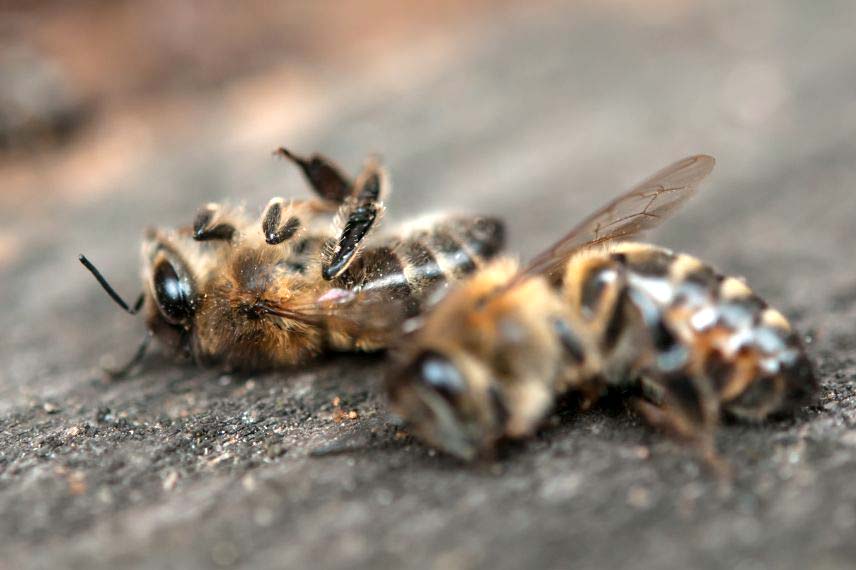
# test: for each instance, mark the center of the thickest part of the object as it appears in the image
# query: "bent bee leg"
(358, 216)
(687, 409)
(280, 221)
(326, 179)
(213, 223)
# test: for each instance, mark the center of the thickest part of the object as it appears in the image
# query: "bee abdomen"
(423, 270)
(749, 353)
(380, 270)
(714, 328)
(659, 314)
(483, 237)
(449, 251)
(410, 268)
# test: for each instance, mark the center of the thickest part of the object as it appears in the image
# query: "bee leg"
(360, 213)
(123, 371)
(688, 412)
(325, 178)
(209, 224)
(279, 222)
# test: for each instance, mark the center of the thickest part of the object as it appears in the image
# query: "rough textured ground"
(535, 114)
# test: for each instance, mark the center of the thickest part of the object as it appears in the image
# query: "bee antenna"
(110, 291)
(118, 373)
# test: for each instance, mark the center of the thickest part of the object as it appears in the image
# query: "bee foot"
(275, 230)
(207, 226)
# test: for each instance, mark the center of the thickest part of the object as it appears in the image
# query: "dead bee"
(589, 313)
(255, 294)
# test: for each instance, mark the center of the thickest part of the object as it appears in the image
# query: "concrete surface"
(537, 114)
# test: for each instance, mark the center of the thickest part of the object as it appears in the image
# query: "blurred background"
(117, 115)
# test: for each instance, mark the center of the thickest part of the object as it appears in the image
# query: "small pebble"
(170, 481)
(639, 497)
(77, 483)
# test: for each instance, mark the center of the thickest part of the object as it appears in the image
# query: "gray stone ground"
(535, 114)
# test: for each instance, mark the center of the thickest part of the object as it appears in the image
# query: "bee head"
(173, 303)
(448, 402)
(169, 296)
(173, 291)
(170, 288)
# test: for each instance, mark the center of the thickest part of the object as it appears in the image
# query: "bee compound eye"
(173, 293)
(435, 371)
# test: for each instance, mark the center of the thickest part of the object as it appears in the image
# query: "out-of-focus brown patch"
(121, 50)
(153, 71)
(9, 248)
(259, 109)
(93, 165)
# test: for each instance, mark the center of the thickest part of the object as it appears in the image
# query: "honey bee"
(250, 294)
(591, 313)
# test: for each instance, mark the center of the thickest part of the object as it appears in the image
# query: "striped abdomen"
(407, 269)
(675, 322)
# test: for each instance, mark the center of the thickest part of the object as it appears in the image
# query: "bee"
(593, 313)
(307, 277)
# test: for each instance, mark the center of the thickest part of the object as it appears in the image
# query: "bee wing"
(369, 313)
(645, 206)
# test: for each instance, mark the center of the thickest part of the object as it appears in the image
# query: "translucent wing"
(645, 206)
(365, 313)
